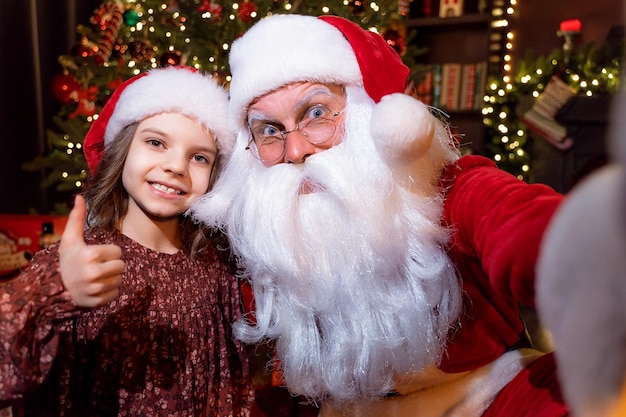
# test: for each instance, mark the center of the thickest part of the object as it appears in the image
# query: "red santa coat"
(498, 222)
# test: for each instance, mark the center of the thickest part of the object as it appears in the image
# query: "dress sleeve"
(500, 220)
(31, 306)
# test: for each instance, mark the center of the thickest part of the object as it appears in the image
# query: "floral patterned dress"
(163, 348)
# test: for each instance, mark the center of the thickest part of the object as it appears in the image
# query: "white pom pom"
(402, 128)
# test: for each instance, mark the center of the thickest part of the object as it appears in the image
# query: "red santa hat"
(172, 89)
(282, 49)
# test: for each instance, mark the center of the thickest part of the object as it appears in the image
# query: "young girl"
(133, 317)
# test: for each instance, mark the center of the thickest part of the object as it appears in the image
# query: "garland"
(589, 71)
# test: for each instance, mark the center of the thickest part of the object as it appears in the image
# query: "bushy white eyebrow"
(321, 89)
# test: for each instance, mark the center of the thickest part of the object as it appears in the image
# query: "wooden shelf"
(454, 41)
(464, 113)
(468, 20)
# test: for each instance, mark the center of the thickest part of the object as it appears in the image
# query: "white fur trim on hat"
(282, 49)
(177, 90)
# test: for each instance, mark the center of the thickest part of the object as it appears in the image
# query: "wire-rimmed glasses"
(268, 141)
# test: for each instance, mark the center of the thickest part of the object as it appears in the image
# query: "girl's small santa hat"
(283, 49)
(181, 90)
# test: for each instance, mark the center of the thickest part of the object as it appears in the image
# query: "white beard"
(352, 281)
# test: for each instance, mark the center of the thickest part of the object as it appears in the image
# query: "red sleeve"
(30, 305)
(500, 220)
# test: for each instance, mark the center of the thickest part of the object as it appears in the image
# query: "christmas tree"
(126, 37)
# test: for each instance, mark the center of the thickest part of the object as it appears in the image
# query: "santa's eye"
(317, 112)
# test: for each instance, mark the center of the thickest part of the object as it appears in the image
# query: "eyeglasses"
(268, 142)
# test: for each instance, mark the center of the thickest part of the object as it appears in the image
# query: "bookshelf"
(457, 48)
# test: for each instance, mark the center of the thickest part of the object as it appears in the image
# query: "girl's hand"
(92, 274)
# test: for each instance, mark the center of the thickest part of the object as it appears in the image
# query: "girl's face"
(168, 166)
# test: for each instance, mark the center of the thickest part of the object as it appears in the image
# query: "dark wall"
(537, 22)
(33, 33)
(18, 108)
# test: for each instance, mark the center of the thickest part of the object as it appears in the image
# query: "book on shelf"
(468, 87)
(451, 90)
(481, 84)
(453, 86)
(436, 96)
(447, 8)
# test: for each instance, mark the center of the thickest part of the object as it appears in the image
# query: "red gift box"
(21, 235)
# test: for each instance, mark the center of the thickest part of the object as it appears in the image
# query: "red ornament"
(65, 88)
(215, 9)
(85, 102)
(204, 7)
(171, 58)
(395, 40)
(246, 11)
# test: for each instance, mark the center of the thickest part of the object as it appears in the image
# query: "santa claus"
(387, 269)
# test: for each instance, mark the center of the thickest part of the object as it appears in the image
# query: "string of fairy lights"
(588, 71)
(494, 112)
(141, 20)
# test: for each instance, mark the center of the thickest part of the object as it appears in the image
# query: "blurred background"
(50, 48)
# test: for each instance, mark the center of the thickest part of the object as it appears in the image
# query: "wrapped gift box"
(21, 235)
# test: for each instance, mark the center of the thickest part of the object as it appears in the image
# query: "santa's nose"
(297, 148)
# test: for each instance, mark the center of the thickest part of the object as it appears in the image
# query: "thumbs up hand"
(92, 274)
